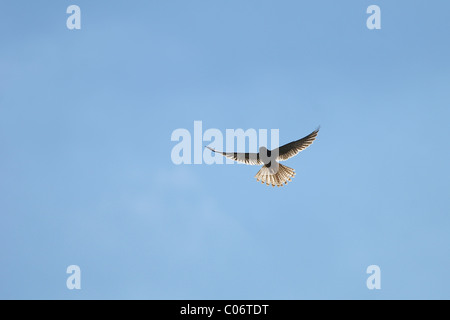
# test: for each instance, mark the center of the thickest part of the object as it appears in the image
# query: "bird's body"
(272, 172)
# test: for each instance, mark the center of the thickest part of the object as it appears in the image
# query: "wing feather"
(247, 158)
(293, 148)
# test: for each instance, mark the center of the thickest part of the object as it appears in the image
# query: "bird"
(272, 172)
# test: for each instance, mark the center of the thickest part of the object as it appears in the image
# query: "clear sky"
(86, 176)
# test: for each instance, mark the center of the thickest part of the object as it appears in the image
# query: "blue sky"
(86, 176)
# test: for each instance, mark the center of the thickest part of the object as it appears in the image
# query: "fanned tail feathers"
(275, 176)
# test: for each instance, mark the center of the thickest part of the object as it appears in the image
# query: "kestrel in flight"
(272, 172)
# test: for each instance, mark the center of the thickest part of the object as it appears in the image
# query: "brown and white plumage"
(272, 172)
(247, 158)
(292, 149)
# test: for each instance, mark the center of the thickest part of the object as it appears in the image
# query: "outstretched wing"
(247, 158)
(291, 149)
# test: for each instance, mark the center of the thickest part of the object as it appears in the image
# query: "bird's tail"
(275, 177)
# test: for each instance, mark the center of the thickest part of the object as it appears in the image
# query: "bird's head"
(263, 151)
(264, 155)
